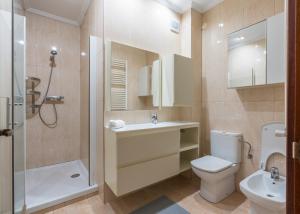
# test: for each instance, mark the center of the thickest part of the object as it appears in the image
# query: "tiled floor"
(179, 189)
(47, 184)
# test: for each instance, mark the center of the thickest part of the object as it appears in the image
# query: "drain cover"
(75, 175)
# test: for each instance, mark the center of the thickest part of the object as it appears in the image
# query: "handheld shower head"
(53, 52)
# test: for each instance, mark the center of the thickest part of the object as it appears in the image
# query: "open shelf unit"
(32, 96)
(189, 147)
(186, 157)
(185, 146)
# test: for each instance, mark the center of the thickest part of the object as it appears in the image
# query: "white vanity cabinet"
(177, 81)
(139, 155)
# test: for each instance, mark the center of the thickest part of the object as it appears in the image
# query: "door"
(6, 163)
(293, 108)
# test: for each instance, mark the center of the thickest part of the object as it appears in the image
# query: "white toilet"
(217, 171)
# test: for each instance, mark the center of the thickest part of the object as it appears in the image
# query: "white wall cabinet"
(256, 54)
(144, 82)
(140, 155)
(275, 49)
(177, 81)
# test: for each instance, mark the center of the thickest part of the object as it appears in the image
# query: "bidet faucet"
(154, 118)
(275, 173)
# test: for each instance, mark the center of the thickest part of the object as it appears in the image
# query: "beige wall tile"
(256, 10)
(50, 146)
(279, 6)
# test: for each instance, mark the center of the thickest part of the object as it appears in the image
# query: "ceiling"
(180, 6)
(204, 5)
(76, 9)
(56, 9)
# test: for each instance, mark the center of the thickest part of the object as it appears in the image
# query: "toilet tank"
(226, 145)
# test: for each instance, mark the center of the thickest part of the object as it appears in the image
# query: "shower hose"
(53, 124)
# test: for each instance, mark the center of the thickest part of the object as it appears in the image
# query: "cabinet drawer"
(141, 175)
(141, 148)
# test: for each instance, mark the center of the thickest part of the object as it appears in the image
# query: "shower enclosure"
(49, 76)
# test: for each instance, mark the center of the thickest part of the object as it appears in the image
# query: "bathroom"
(167, 78)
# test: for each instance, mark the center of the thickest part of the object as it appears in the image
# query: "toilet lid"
(211, 164)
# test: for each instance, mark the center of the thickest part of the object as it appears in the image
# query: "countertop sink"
(160, 125)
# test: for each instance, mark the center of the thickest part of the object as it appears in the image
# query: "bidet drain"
(76, 175)
(270, 196)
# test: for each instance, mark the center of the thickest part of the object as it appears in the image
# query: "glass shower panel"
(19, 112)
(95, 73)
(5, 107)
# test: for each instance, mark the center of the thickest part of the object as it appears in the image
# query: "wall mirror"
(247, 56)
(132, 78)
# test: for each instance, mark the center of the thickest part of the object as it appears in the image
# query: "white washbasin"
(146, 126)
(265, 194)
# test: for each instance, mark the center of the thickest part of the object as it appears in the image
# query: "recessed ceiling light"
(221, 25)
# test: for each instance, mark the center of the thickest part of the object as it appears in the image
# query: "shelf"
(35, 93)
(32, 82)
(185, 165)
(185, 146)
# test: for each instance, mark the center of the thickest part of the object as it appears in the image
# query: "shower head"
(53, 52)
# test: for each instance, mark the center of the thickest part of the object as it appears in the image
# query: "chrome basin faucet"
(154, 118)
(275, 173)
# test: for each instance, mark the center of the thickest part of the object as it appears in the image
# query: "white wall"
(141, 23)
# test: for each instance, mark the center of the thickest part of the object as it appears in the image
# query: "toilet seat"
(211, 164)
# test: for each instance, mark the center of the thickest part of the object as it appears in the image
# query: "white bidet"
(266, 195)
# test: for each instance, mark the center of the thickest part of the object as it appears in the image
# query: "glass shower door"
(6, 195)
(19, 112)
